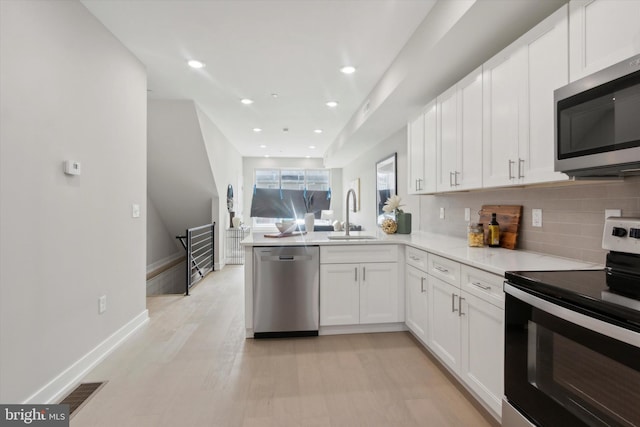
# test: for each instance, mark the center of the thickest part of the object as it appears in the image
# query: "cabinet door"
(548, 69)
(482, 351)
(430, 141)
(602, 33)
(339, 294)
(416, 302)
(444, 322)
(379, 293)
(415, 136)
(469, 148)
(502, 87)
(447, 111)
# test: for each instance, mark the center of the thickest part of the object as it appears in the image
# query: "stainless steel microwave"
(597, 123)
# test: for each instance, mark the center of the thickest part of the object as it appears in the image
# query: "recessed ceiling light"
(274, 95)
(313, 147)
(263, 146)
(195, 64)
(246, 101)
(257, 130)
(348, 69)
(318, 131)
(285, 129)
(332, 104)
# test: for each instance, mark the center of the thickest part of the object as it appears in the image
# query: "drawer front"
(484, 285)
(341, 254)
(417, 258)
(444, 269)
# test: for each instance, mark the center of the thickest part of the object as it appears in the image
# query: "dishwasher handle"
(286, 258)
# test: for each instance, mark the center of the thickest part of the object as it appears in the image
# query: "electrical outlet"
(612, 212)
(536, 217)
(467, 214)
(102, 304)
(441, 213)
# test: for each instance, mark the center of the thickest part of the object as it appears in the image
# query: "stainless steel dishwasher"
(286, 291)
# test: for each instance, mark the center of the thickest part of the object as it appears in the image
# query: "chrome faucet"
(351, 191)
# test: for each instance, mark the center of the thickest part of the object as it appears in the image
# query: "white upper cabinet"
(421, 135)
(547, 50)
(459, 135)
(603, 32)
(415, 152)
(518, 105)
(502, 98)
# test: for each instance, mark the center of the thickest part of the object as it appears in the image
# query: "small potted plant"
(402, 219)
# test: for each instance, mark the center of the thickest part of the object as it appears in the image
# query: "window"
(290, 179)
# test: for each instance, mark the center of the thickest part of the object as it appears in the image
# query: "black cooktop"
(585, 291)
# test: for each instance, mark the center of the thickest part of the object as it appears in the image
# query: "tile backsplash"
(572, 214)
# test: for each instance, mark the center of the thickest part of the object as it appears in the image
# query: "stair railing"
(198, 242)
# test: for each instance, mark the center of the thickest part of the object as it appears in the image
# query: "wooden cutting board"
(508, 216)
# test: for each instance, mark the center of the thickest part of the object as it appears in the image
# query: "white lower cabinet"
(482, 349)
(354, 293)
(445, 322)
(417, 303)
(465, 323)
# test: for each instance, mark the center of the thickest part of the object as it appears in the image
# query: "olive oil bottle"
(494, 232)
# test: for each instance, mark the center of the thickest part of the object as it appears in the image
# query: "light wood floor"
(191, 366)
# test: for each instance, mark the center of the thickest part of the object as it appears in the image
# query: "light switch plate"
(135, 210)
(102, 304)
(467, 214)
(536, 217)
(441, 213)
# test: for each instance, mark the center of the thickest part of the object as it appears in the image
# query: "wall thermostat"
(71, 167)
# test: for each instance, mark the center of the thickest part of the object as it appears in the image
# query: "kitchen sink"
(353, 237)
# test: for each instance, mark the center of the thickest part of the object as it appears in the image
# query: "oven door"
(564, 368)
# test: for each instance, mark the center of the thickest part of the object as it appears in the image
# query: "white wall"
(161, 245)
(69, 90)
(365, 169)
(226, 165)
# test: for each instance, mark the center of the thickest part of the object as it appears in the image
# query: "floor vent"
(80, 396)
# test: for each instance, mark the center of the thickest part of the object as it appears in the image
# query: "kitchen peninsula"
(454, 249)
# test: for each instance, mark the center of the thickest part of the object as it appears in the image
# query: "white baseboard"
(163, 261)
(54, 391)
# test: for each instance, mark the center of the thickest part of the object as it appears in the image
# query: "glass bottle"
(494, 232)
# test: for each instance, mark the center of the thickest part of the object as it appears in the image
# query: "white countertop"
(495, 260)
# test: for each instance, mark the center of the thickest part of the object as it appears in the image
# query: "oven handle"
(616, 332)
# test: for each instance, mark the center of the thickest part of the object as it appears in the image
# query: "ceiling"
(406, 52)
(257, 48)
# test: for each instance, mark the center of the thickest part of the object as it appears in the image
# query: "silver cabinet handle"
(419, 184)
(422, 284)
(415, 258)
(460, 313)
(450, 179)
(356, 271)
(364, 273)
(441, 269)
(511, 162)
(453, 303)
(520, 167)
(481, 286)
(455, 176)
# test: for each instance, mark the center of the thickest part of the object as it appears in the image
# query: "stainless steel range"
(572, 340)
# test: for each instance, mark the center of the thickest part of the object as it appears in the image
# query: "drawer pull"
(481, 286)
(453, 303)
(460, 313)
(415, 258)
(441, 269)
(422, 284)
